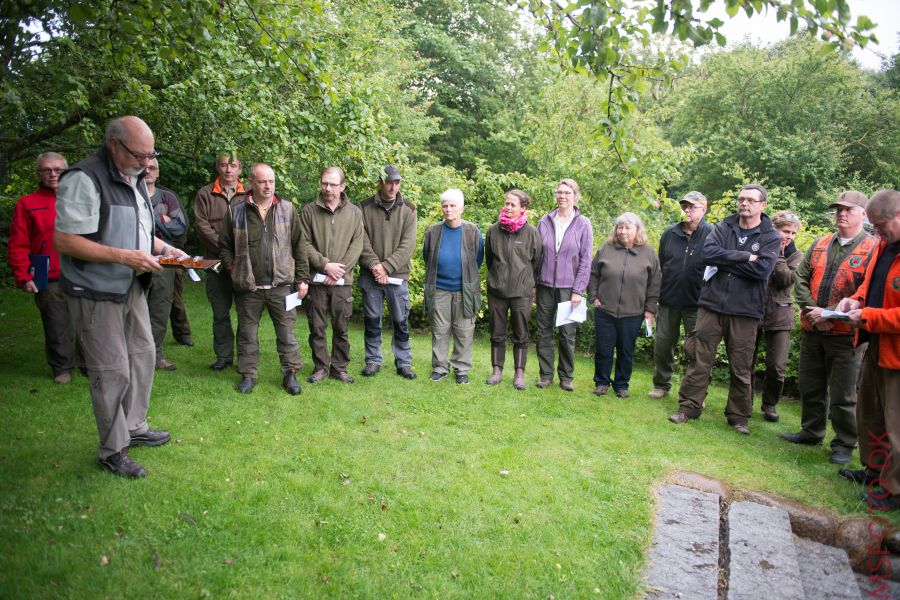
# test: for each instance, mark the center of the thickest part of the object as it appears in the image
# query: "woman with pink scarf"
(513, 252)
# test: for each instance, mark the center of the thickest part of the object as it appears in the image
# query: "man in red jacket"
(31, 235)
(875, 310)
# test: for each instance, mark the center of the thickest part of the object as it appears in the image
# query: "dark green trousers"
(829, 368)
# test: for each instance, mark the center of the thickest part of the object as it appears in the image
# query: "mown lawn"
(386, 488)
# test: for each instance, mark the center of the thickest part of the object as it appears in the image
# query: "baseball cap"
(850, 198)
(391, 174)
(694, 198)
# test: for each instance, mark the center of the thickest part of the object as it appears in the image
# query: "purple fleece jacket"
(571, 266)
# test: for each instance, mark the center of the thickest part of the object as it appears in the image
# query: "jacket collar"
(321, 203)
(217, 187)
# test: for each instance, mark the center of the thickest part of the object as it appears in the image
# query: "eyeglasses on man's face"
(136, 155)
(746, 200)
(49, 170)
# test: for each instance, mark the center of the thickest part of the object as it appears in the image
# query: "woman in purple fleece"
(565, 269)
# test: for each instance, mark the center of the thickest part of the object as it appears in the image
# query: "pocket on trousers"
(690, 345)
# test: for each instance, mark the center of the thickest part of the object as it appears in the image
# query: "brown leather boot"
(520, 357)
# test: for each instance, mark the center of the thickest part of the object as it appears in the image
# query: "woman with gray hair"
(778, 319)
(624, 289)
(453, 251)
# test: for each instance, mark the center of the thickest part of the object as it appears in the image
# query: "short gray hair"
(453, 194)
(49, 156)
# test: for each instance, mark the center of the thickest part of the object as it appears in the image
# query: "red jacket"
(31, 232)
(884, 321)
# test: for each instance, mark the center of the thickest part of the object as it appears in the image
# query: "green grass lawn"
(385, 488)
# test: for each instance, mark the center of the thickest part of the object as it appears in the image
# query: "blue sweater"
(449, 265)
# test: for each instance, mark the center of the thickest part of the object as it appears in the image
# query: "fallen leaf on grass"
(186, 517)
(522, 416)
(381, 537)
(364, 419)
(227, 562)
(155, 558)
(178, 441)
(345, 482)
(104, 561)
(384, 506)
(504, 473)
(55, 464)
(454, 574)
(324, 578)
(321, 523)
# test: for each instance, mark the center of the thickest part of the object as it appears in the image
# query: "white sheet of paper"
(565, 314)
(292, 301)
(648, 327)
(193, 275)
(709, 272)
(394, 280)
(320, 278)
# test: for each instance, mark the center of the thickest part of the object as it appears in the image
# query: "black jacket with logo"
(739, 286)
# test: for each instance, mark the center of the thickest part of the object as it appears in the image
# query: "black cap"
(391, 174)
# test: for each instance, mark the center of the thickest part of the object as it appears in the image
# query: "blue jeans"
(619, 334)
(397, 296)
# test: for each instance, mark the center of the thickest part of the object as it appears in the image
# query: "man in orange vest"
(210, 206)
(875, 309)
(833, 269)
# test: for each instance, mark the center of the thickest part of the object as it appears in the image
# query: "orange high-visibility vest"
(828, 291)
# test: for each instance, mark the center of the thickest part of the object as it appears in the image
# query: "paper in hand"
(566, 314)
(193, 275)
(320, 278)
(648, 327)
(709, 272)
(292, 301)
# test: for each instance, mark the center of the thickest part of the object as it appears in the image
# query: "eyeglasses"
(148, 156)
(749, 201)
(54, 171)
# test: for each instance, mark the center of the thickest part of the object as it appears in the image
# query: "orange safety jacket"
(884, 321)
(850, 274)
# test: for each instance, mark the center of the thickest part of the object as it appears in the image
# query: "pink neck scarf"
(512, 225)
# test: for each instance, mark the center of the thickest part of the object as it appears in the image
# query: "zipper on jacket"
(622, 283)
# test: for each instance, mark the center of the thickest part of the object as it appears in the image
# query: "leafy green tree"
(791, 115)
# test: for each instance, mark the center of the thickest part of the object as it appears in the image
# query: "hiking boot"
(801, 437)
(601, 390)
(370, 369)
(462, 378)
(220, 364)
(290, 383)
(860, 476)
(437, 376)
(185, 341)
(342, 376)
(164, 365)
(495, 377)
(876, 502)
(770, 414)
(742, 429)
(246, 385)
(841, 456)
(678, 418)
(543, 383)
(566, 385)
(318, 376)
(151, 437)
(124, 465)
(406, 372)
(657, 393)
(519, 379)
(622, 393)
(64, 378)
